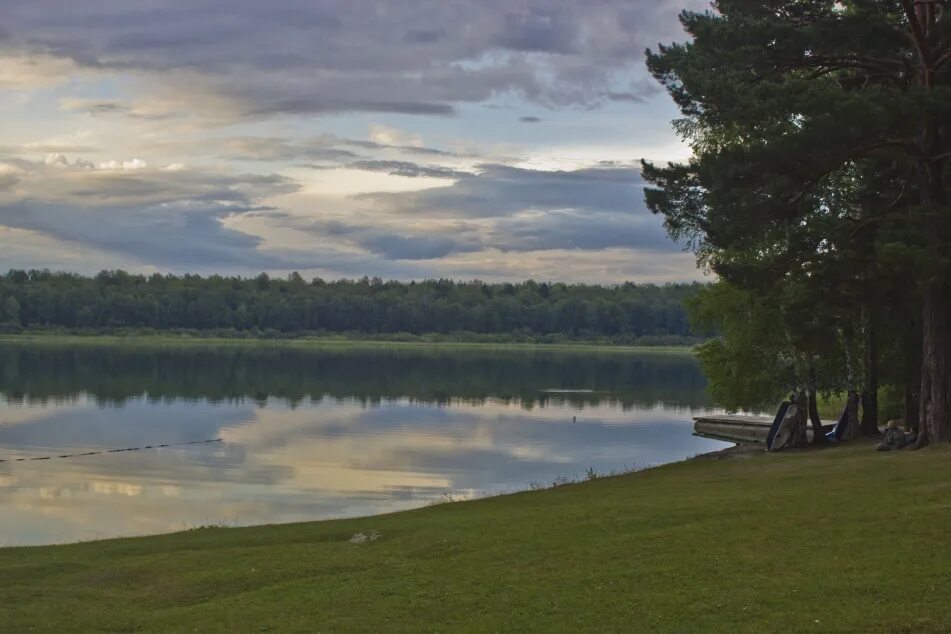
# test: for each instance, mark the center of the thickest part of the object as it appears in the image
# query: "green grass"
(325, 341)
(842, 539)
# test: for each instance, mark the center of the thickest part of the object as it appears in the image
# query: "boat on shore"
(739, 428)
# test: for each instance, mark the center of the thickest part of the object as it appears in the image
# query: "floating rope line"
(105, 451)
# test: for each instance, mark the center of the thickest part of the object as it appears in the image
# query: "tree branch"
(918, 35)
(845, 61)
(944, 57)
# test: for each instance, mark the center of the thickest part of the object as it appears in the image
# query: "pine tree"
(778, 96)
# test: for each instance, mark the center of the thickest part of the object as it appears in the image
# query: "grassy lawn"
(327, 341)
(843, 539)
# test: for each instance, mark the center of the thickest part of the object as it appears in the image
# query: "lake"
(179, 436)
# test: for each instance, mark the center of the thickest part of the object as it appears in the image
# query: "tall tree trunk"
(852, 404)
(910, 406)
(801, 403)
(935, 398)
(870, 385)
(869, 424)
(911, 357)
(852, 411)
(818, 438)
(935, 404)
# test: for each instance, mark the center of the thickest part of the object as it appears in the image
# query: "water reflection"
(112, 375)
(313, 434)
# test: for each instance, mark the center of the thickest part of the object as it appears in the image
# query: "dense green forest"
(819, 192)
(265, 306)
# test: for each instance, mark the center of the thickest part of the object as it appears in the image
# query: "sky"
(406, 139)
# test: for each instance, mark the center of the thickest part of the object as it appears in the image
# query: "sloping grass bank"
(843, 539)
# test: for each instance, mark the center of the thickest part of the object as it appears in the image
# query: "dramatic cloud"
(176, 217)
(502, 190)
(164, 217)
(240, 136)
(422, 57)
(504, 208)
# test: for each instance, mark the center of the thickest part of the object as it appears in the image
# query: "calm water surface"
(302, 434)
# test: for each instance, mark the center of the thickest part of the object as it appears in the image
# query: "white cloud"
(134, 164)
(386, 135)
(56, 160)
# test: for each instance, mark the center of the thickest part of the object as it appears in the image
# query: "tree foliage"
(821, 134)
(116, 299)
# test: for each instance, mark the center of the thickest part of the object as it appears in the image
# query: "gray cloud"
(579, 230)
(403, 247)
(540, 29)
(167, 218)
(502, 190)
(407, 168)
(192, 219)
(278, 149)
(505, 208)
(302, 105)
(187, 238)
(625, 96)
(191, 83)
(327, 149)
(106, 107)
(422, 57)
(170, 219)
(520, 234)
(111, 108)
(423, 36)
(407, 149)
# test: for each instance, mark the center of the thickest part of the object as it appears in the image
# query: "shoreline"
(738, 451)
(145, 340)
(695, 542)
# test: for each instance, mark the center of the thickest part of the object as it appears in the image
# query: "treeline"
(819, 191)
(270, 307)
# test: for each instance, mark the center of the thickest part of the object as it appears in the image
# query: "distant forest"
(116, 301)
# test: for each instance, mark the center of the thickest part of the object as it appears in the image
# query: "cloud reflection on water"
(311, 434)
(278, 463)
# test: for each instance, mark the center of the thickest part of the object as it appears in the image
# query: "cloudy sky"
(492, 139)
